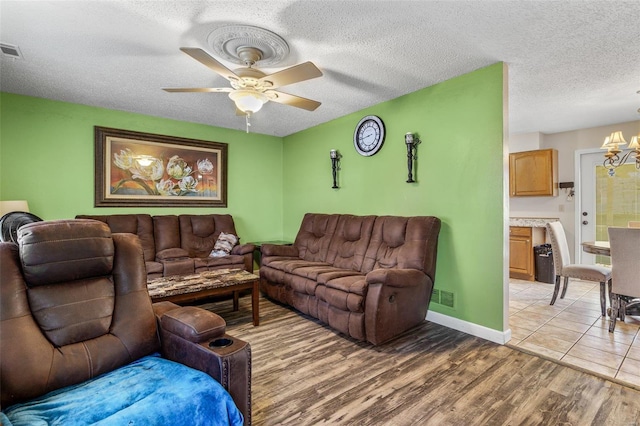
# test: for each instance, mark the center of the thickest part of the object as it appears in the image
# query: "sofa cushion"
(231, 261)
(71, 313)
(314, 236)
(402, 242)
(350, 284)
(166, 231)
(151, 390)
(344, 301)
(172, 254)
(199, 233)
(301, 284)
(154, 267)
(181, 266)
(290, 265)
(345, 293)
(137, 224)
(350, 241)
(314, 271)
(267, 260)
(50, 256)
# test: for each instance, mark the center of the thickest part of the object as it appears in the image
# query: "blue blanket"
(149, 391)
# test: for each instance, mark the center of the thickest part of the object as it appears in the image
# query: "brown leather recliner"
(74, 305)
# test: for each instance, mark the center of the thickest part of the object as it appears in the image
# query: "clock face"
(369, 135)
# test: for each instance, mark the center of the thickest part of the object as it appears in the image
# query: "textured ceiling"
(572, 64)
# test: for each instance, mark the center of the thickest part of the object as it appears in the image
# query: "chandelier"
(612, 144)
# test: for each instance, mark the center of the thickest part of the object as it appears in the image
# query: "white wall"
(525, 141)
(567, 143)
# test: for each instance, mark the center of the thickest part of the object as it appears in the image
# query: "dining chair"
(564, 267)
(625, 282)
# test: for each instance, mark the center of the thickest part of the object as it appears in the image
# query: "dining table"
(597, 247)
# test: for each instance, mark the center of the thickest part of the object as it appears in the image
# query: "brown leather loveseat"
(180, 244)
(77, 321)
(369, 277)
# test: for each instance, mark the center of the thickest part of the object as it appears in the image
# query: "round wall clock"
(369, 135)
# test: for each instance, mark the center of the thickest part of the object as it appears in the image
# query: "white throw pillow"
(224, 245)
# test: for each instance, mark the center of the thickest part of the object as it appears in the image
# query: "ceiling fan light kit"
(250, 87)
(248, 101)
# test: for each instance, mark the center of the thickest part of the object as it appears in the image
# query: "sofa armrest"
(397, 299)
(397, 277)
(243, 249)
(193, 324)
(279, 250)
(171, 254)
(160, 308)
(187, 337)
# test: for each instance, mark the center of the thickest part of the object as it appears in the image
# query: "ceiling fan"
(250, 87)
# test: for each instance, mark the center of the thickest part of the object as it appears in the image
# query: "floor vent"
(442, 297)
(446, 298)
(435, 296)
(10, 51)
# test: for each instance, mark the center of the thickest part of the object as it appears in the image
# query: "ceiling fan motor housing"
(250, 55)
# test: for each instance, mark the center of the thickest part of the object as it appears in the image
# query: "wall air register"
(10, 51)
(443, 297)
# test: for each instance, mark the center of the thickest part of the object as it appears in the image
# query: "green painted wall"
(46, 157)
(459, 173)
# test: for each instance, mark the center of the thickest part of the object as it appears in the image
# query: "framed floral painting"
(143, 169)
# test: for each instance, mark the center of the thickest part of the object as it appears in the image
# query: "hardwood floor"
(306, 374)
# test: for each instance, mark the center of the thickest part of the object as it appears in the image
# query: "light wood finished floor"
(306, 374)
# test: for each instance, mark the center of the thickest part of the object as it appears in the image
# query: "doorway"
(605, 198)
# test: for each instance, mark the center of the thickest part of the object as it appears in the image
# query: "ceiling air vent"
(10, 51)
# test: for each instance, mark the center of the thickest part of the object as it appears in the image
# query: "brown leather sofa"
(180, 245)
(74, 305)
(369, 277)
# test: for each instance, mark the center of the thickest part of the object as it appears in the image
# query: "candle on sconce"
(408, 138)
(333, 153)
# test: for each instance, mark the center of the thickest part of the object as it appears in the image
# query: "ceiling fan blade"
(206, 59)
(292, 100)
(198, 89)
(301, 72)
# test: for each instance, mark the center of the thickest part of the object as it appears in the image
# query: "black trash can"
(544, 263)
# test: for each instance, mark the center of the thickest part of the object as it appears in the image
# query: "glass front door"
(606, 200)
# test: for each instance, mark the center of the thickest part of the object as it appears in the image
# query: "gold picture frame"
(135, 169)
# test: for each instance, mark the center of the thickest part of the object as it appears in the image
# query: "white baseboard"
(500, 337)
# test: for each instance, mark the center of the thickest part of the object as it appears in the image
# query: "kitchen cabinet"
(522, 240)
(533, 173)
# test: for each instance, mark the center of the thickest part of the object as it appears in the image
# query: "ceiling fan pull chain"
(248, 123)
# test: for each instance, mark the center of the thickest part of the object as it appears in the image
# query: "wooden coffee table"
(188, 288)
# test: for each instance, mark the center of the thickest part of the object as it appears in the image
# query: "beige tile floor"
(572, 331)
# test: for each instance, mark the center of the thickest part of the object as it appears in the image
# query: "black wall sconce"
(335, 166)
(412, 141)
